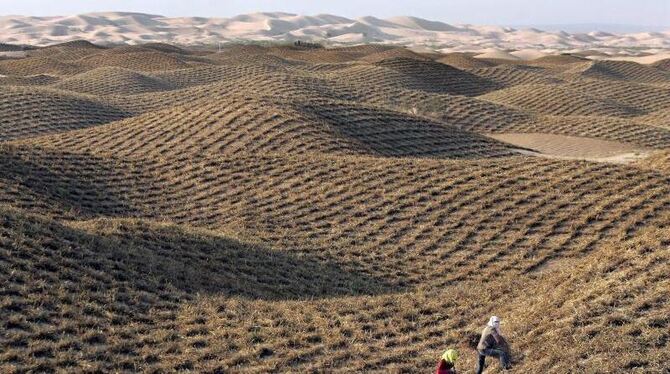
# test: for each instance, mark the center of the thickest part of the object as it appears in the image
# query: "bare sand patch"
(498, 54)
(573, 147)
(13, 54)
(645, 60)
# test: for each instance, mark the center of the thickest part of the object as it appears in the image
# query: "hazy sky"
(502, 12)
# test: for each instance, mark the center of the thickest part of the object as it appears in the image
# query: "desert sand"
(137, 28)
(574, 148)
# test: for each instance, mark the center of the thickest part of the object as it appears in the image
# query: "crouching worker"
(492, 344)
(447, 362)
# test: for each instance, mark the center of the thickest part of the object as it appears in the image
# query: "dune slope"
(304, 209)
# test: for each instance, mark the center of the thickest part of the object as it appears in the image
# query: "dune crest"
(133, 28)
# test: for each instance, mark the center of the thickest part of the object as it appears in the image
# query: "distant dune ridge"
(133, 28)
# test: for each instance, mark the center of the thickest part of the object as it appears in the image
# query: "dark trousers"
(502, 355)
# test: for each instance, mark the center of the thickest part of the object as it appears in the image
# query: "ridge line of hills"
(132, 28)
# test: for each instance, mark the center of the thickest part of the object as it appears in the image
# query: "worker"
(447, 362)
(492, 344)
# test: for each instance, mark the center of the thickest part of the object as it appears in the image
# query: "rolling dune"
(292, 208)
(495, 42)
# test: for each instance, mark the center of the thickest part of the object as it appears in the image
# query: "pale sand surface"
(13, 54)
(498, 54)
(529, 54)
(491, 41)
(642, 59)
(573, 147)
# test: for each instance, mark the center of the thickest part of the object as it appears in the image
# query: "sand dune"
(627, 70)
(28, 111)
(119, 27)
(552, 99)
(281, 208)
(499, 54)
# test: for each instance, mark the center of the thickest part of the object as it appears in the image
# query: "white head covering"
(494, 322)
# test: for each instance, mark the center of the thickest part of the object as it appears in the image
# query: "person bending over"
(447, 362)
(492, 344)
